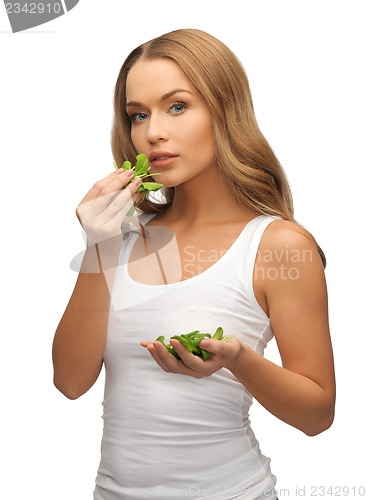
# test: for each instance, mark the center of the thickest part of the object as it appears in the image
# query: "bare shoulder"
(284, 237)
(288, 265)
(282, 231)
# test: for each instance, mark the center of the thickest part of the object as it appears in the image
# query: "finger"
(211, 345)
(190, 360)
(115, 202)
(166, 360)
(152, 349)
(111, 183)
(121, 202)
(228, 348)
(118, 180)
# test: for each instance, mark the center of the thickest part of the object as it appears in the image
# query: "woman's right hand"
(103, 209)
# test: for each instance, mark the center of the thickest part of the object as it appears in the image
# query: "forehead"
(155, 77)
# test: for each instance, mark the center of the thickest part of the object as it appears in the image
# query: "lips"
(161, 159)
(160, 155)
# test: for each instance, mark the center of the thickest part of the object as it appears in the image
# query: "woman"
(221, 249)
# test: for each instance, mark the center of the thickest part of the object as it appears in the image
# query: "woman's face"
(170, 121)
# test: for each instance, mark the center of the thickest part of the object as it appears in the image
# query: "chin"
(168, 183)
(172, 184)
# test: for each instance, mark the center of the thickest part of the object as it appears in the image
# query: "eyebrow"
(163, 98)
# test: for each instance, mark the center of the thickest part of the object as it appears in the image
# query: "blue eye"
(138, 117)
(178, 107)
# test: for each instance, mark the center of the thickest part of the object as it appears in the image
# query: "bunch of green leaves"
(141, 170)
(192, 340)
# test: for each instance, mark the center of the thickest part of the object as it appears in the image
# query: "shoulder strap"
(144, 218)
(254, 235)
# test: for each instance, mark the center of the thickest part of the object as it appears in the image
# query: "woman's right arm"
(80, 337)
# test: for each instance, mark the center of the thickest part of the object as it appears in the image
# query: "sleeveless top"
(169, 435)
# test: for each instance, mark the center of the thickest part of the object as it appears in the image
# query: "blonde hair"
(243, 155)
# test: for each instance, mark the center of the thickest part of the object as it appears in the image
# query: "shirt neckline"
(217, 264)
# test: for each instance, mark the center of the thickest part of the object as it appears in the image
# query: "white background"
(306, 65)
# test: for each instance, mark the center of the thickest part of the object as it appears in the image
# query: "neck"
(206, 199)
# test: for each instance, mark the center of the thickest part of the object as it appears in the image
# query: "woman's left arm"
(290, 284)
(291, 280)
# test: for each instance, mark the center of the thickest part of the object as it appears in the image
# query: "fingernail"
(130, 172)
(204, 343)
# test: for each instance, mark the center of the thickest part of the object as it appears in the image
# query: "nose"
(157, 130)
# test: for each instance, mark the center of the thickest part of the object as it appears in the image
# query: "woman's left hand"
(223, 355)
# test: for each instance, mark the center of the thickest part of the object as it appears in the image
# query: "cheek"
(135, 138)
(138, 134)
(203, 138)
(206, 129)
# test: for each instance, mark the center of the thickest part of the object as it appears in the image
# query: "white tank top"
(169, 435)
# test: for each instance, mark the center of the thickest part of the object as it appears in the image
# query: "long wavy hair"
(242, 154)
